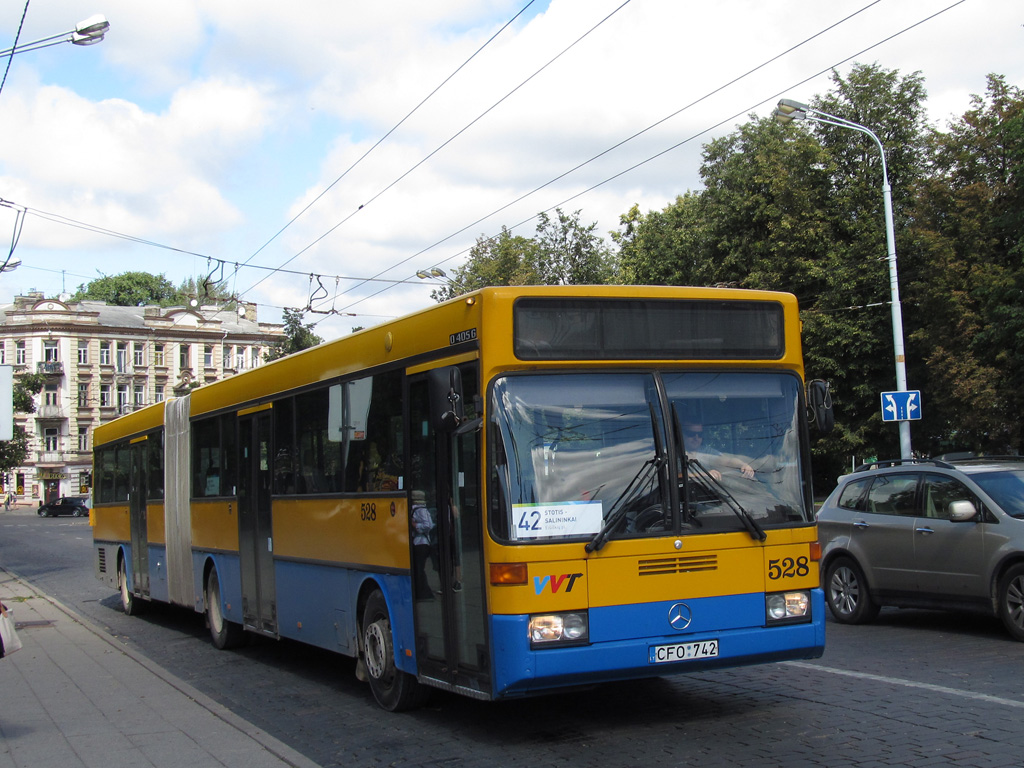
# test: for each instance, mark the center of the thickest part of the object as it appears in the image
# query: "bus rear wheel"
(393, 689)
(225, 634)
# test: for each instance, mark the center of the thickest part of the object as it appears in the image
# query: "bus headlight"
(787, 607)
(572, 628)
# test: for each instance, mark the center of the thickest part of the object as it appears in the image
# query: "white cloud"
(209, 125)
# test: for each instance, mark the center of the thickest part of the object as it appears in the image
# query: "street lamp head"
(788, 110)
(94, 25)
(427, 274)
(90, 31)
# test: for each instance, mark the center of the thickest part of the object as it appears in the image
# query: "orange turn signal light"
(508, 574)
(816, 551)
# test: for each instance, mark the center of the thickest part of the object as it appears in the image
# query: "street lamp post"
(88, 32)
(789, 110)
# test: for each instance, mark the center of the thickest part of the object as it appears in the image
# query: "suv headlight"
(571, 628)
(787, 607)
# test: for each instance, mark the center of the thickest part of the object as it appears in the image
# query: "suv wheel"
(847, 592)
(1011, 600)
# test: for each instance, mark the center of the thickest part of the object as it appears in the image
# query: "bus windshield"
(577, 454)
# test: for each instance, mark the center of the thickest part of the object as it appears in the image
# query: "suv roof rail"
(901, 462)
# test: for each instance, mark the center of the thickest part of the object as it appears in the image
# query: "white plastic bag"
(11, 641)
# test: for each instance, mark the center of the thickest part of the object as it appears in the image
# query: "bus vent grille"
(681, 564)
(102, 559)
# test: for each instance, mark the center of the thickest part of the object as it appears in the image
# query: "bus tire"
(393, 689)
(846, 592)
(225, 634)
(131, 604)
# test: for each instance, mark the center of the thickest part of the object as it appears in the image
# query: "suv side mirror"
(819, 404)
(961, 511)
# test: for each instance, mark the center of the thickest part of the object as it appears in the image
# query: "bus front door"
(255, 529)
(448, 586)
(137, 519)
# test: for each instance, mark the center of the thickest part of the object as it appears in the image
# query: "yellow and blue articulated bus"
(515, 491)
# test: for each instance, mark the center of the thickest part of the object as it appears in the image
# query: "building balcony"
(51, 457)
(51, 412)
(50, 368)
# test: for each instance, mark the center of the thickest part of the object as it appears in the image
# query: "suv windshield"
(1006, 488)
(572, 455)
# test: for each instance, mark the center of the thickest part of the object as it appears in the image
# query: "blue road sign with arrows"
(901, 406)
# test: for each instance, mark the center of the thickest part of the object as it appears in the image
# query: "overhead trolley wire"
(379, 141)
(667, 150)
(614, 147)
(449, 141)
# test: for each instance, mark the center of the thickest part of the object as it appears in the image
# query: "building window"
(255, 357)
(158, 396)
(139, 395)
(240, 357)
(19, 353)
(225, 356)
(208, 356)
(50, 395)
(104, 353)
(52, 438)
(184, 356)
(51, 352)
(122, 398)
(122, 357)
(158, 355)
(137, 356)
(104, 395)
(83, 438)
(3, 353)
(83, 352)
(83, 394)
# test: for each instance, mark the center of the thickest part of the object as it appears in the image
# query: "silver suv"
(926, 534)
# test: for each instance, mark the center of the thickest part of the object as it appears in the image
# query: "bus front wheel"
(393, 689)
(225, 634)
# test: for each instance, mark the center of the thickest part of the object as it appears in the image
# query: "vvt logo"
(555, 582)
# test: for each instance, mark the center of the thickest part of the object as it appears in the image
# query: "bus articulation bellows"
(512, 492)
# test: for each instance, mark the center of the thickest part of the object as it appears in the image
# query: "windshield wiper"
(621, 505)
(703, 477)
(640, 481)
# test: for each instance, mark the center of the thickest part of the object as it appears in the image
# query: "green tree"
(137, 289)
(297, 336)
(564, 252)
(570, 253)
(505, 259)
(969, 232)
(129, 289)
(14, 452)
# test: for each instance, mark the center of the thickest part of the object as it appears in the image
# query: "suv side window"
(893, 494)
(852, 496)
(940, 491)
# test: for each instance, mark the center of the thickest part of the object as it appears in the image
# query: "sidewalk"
(73, 696)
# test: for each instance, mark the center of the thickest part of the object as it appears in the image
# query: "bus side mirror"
(819, 403)
(446, 407)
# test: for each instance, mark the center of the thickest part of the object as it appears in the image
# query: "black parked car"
(76, 506)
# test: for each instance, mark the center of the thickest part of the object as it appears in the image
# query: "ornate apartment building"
(101, 361)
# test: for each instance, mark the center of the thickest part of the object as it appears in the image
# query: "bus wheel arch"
(224, 634)
(393, 689)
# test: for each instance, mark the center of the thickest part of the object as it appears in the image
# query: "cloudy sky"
(352, 141)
